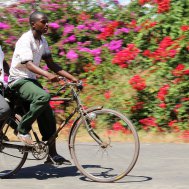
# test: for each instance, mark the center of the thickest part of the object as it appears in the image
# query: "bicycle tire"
(11, 159)
(117, 130)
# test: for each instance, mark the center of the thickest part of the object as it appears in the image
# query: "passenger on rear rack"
(4, 107)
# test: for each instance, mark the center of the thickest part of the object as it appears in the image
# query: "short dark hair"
(34, 16)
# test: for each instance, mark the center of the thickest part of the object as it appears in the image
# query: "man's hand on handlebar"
(79, 85)
(53, 77)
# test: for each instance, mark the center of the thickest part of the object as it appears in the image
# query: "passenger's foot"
(57, 159)
(4, 137)
(26, 139)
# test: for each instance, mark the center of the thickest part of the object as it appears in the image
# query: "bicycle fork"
(86, 119)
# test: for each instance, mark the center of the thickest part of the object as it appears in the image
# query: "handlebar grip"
(79, 85)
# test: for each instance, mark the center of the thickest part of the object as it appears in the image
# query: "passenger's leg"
(4, 109)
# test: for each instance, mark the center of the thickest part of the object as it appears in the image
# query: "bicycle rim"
(115, 159)
(11, 159)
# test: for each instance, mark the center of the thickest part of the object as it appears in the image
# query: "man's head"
(39, 22)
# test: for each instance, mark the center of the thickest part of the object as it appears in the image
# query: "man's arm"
(33, 68)
(57, 69)
(6, 67)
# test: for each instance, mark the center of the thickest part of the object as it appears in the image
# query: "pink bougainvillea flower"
(62, 53)
(122, 30)
(4, 26)
(68, 28)
(72, 55)
(97, 60)
(23, 20)
(11, 40)
(45, 67)
(6, 78)
(96, 52)
(114, 45)
(51, 6)
(70, 39)
(27, 1)
(116, 1)
(54, 25)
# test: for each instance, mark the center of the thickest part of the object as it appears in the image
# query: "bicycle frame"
(82, 113)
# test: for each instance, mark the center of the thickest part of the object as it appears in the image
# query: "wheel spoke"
(115, 156)
(12, 155)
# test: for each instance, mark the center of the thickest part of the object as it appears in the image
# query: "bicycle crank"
(40, 150)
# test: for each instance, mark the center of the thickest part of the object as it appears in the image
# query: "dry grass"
(151, 137)
(144, 137)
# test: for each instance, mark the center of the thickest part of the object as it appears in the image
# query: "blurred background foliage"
(132, 58)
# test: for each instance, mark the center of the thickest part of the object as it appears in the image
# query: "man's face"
(41, 25)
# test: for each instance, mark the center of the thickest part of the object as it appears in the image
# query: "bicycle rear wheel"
(12, 155)
(111, 149)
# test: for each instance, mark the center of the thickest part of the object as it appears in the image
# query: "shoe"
(26, 139)
(4, 137)
(57, 160)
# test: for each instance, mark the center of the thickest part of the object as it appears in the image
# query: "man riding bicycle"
(30, 49)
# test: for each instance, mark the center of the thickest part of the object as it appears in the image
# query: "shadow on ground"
(43, 172)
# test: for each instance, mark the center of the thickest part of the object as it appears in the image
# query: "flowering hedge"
(137, 55)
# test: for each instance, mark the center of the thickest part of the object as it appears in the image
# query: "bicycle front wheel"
(107, 148)
(12, 155)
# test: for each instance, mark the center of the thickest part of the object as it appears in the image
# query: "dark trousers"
(4, 109)
(30, 91)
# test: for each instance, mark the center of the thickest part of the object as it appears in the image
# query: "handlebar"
(78, 85)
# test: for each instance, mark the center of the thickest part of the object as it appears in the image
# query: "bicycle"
(98, 139)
